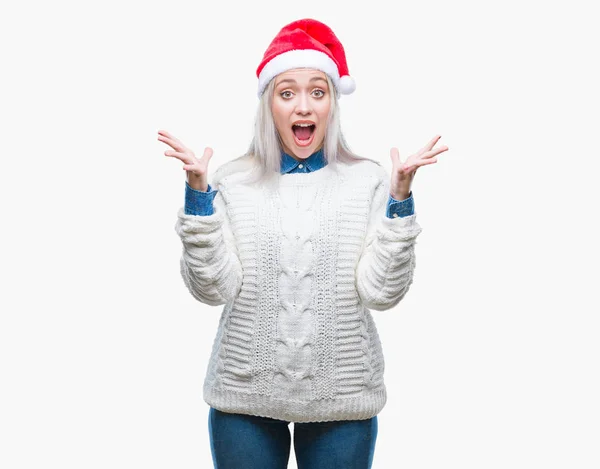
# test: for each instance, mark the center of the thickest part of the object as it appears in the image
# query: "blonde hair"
(263, 157)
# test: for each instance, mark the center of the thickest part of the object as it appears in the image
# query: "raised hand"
(197, 169)
(404, 173)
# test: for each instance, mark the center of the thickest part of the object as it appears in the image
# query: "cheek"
(324, 113)
(277, 116)
(275, 111)
(279, 111)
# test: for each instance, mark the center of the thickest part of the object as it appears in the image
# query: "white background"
(492, 359)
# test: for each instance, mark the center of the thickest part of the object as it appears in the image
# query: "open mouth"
(303, 134)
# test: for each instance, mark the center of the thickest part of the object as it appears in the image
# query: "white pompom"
(347, 85)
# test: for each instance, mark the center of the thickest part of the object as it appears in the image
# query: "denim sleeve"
(400, 208)
(199, 202)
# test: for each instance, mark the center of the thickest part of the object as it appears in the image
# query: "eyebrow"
(291, 80)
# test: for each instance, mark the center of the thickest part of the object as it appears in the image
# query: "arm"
(386, 265)
(210, 264)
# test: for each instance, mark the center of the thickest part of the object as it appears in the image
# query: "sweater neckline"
(312, 177)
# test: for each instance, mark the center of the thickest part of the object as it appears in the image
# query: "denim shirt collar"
(314, 162)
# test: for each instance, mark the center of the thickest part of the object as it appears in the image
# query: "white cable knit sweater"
(297, 271)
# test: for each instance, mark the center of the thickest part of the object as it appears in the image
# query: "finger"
(197, 169)
(166, 139)
(395, 156)
(168, 135)
(173, 144)
(425, 162)
(417, 164)
(432, 142)
(186, 158)
(437, 151)
(165, 134)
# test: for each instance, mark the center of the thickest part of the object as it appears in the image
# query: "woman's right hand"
(197, 169)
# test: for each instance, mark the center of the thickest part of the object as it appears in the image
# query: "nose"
(303, 106)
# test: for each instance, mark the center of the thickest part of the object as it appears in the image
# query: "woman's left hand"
(403, 173)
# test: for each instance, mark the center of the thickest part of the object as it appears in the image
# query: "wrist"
(195, 182)
(401, 195)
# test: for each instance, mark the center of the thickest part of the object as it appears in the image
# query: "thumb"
(208, 153)
(395, 156)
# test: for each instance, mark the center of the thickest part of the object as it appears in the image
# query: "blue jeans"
(239, 441)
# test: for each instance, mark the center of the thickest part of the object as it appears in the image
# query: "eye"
(322, 93)
(284, 92)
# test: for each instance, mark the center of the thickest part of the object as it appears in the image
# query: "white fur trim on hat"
(299, 58)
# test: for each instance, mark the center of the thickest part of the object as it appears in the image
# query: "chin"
(301, 151)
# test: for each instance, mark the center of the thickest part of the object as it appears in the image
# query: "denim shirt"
(201, 203)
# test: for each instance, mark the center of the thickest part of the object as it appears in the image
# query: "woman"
(298, 239)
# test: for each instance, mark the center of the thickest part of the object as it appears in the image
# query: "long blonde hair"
(262, 160)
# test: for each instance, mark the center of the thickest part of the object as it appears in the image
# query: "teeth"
(304, 125)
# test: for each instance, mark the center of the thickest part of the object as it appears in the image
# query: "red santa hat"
(306, 43)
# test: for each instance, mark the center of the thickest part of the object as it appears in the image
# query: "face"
(301, 96)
